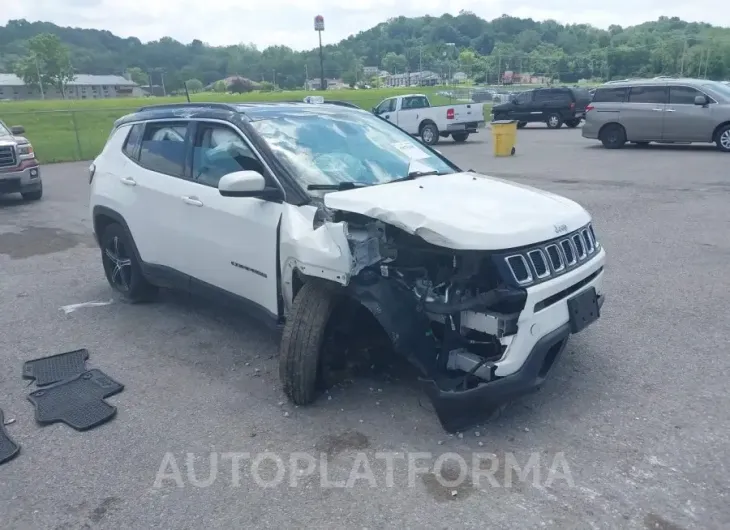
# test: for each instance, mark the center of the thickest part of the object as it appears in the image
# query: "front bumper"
(21, 179)
(543, 331)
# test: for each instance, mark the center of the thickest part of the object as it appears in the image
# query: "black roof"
(248, 110)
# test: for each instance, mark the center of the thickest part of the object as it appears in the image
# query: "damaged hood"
(465, 211)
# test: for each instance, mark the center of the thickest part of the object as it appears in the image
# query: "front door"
(683, 120)
(386, 110)
(643, 113)
(233, 240)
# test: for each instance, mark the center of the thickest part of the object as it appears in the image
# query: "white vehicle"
(320, 218)
(414, 114)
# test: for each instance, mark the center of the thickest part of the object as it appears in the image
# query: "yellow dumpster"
(504, 137)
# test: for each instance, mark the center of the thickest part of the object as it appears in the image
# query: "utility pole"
(162, 81)
(684, 51)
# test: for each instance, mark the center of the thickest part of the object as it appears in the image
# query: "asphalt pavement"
(630, 431)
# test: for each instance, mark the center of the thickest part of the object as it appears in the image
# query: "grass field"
(67, 130)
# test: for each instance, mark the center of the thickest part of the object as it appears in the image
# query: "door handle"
(129, 181)
(192, 201)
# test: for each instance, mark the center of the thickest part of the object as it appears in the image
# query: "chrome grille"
(540, 262)
(520, 269)
(7, 156)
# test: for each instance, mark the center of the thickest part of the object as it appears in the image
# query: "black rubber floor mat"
(8, 448)
(77, 402)
(55, 368)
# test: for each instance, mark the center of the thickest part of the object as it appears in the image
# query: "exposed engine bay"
(446, 311)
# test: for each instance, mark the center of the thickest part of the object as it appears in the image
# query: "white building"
(82, 87)
(425, 78)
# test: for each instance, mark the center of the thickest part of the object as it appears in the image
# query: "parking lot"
(638, 408)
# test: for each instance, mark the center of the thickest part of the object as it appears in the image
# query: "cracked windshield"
(345, 148)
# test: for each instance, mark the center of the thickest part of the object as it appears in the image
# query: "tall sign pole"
(319, 28)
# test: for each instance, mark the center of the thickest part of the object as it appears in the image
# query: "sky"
(290, 22)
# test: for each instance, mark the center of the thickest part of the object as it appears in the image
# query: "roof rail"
(223, 106)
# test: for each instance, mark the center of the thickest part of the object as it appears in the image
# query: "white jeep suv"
(307, 214)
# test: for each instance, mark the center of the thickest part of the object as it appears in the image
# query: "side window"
(218, 151)
(541, 96)
(648, 94)
(683, 95)
(163, 147)
(133, 141)
(610, 95)
(409, 103)
(387, 106)
(525, 97)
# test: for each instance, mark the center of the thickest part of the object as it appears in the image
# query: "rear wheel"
(429, 134)
(554, 121)
(521, 124)
(613, 136)
(722, 139)
(122, 270)
(460, 137)
(301, 343)
(573, 123)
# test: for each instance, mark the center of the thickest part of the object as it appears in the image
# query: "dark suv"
(553, 106)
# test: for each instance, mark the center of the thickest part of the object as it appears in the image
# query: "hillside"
(481, 48)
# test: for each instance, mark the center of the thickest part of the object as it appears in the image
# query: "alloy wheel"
(118, 264)
(725, 140)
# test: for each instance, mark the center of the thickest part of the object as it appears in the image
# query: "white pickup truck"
(414, 114)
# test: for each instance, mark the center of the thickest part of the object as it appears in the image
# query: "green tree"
(138, 75)
(393, 62)
(46, 64)
(220, 86)
(194, 85)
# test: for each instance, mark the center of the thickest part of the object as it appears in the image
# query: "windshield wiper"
(340, 186)
(416, 174)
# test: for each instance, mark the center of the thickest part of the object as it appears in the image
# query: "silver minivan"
(660, 110)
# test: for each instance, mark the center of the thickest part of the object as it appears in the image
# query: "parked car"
(20, 171)
(660, 110)
(318, 217)
(553, 106)
(414, 114)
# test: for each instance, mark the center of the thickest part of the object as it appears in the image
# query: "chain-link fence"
(80, 134)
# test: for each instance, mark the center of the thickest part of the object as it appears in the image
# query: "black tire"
(301, 342)
(613, 136)
(33, 195)
(121, 267)
(521, 124)
(460, 137)
(722, 139)
(573, 123)
(429, 134)
(554, 121)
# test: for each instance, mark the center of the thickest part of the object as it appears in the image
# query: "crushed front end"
(482, 327)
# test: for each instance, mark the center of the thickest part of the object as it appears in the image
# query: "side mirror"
(701, 100)
(375, 110)
(247, 184)
(17, 129)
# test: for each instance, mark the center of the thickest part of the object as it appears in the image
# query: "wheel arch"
(718, 129)
(427, 121)
(104, 216)
(610, 123)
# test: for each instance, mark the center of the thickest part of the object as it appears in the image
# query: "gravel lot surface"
(636, 416)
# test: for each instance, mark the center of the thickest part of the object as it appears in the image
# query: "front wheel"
(301, 343)
(613, 136)
(460, 137)
(722, 139)
(554, 121)
(122, 270)
(430, 134)
(32, 195)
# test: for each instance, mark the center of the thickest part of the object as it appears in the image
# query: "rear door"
(683, 120)
(643, 113)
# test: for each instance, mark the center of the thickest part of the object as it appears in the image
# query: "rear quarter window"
(133, 141)
(610, 95)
